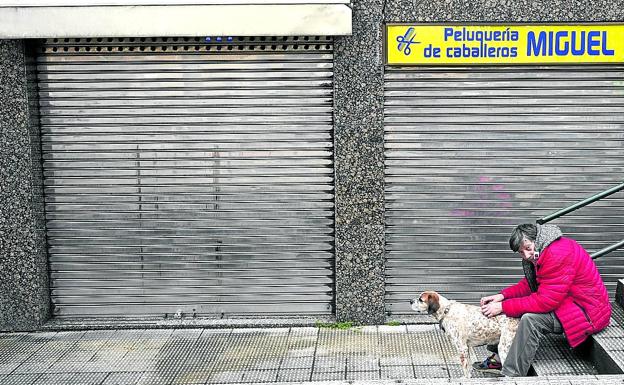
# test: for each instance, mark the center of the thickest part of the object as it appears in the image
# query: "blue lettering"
(581, 50)
(559, 36)
(593, 42)
(550, 40)
(605, 51)
(535, 46)
(448, 32)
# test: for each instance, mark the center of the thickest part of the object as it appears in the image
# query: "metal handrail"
(607, 249)
(584, 203)
(580, 204)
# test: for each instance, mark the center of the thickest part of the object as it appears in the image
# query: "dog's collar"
(444, 313)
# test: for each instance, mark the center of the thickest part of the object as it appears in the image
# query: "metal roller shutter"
(188, 178)
(472, 152)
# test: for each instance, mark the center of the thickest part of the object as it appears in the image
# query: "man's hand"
(492, 309)
(492, 298)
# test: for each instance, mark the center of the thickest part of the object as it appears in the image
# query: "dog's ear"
(433, 302)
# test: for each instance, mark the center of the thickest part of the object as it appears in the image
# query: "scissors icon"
(406, 40)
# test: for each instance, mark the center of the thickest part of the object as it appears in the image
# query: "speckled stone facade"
(359, 159)
(498, 11)
(24, 289)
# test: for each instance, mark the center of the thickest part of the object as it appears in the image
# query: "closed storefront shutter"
(188, 178)
(472, 152)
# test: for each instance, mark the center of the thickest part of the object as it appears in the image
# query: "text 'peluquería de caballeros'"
(500, 44)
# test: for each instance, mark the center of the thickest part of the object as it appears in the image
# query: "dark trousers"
(531, 330)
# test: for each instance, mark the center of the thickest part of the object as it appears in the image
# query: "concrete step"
(554, 358)
(619, 293)
(607, 349)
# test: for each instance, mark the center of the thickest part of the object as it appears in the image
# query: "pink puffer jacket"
(568, 284)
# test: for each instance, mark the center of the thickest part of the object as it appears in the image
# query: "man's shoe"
(490, 365)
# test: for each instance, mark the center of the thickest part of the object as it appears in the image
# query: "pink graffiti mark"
(490, 196)
(462, 213)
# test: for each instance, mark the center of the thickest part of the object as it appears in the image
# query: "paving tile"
(122, 378)
(21, 379)
(8, 368)
(366, 363)
(430, 371)
(328, 376)
(397, 350)
(260, 376)
(32, 367)
(345, 342)
(15, 357)
(205, 366)
(157, 378)
(424, 357)
(108, 355)
(54, 379)
(363, 375)
(301, 352)
(94, 367)
(294, 375)
(133, 366)
(192, 376)
(63, 367)
(141, 354)
(88, 378)
(225, 377)
(456, 371)
(78, 356)
(397, 372)
(395, 361)
(296, 362)
(329, 364)
(268, 364)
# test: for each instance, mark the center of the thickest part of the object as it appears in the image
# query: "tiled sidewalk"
(213, 356)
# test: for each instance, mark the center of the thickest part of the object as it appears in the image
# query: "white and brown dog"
(467, 326)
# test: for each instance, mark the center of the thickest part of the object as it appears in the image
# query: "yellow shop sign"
(417, 44)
